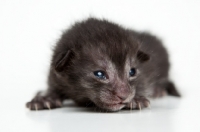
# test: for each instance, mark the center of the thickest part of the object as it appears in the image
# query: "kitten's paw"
(159, 92)
(44, 102)
(138, 103)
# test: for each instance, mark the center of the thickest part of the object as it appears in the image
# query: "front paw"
(138, 103)
(44, 102)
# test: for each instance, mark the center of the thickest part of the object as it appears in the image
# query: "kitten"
(101, 63)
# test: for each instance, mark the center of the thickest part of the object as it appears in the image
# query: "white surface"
(29, 29)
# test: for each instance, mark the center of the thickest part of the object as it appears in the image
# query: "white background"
(29, 30)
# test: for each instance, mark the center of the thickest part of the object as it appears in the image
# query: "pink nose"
(122, 93)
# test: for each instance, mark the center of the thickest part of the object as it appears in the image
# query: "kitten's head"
(104, 68)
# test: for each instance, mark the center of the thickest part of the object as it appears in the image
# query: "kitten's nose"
(122, 93)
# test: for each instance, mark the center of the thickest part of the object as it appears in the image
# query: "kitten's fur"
(93, 45)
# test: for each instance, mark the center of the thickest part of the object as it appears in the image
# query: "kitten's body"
(98, 45)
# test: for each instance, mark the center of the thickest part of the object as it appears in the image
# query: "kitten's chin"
(113, 107)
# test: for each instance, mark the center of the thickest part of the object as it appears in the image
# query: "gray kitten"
(99, 63)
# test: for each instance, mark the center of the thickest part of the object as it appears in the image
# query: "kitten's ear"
(63, 60)
(142, 57)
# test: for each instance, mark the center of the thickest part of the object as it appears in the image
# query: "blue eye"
(100, 74)
(132, 72)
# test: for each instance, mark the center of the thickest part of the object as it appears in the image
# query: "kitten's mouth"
(115, 105)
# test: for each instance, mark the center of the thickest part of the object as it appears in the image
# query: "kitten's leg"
(172, 90)
(50, 100)
(164, 88)
(159, 92)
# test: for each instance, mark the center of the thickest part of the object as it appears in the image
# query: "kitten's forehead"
(110, 53)
(116, 70)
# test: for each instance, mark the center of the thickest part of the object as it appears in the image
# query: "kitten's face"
(108, 81)
(105, 72)
(111, 88)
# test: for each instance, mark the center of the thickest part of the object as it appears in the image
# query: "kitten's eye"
(100, 74)
(132, 72)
